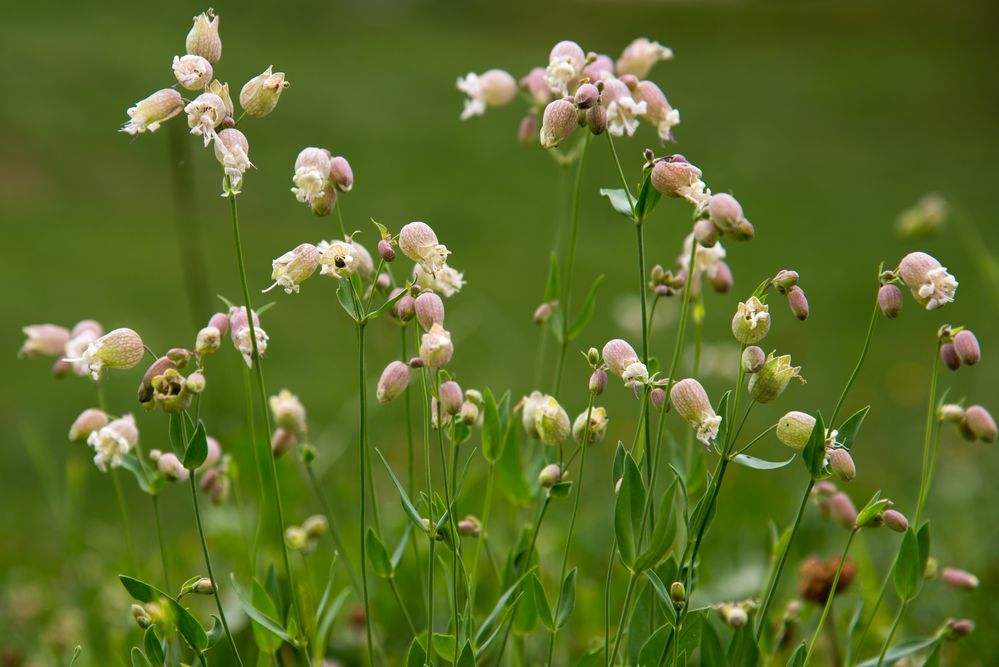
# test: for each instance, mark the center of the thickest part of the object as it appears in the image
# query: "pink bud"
(221, 322)
(393, 381)
(960, 579)
(706, 233)
(550, 476)
(895, 520)
(842, 464)
(451, 397)
(948, 355)
(842, 510)
(797, 302)
(967, 348)
(890, 300)
(980, 423)
(90, 420)
(341, 174)
(527, 131)
(598, 382)
(658, 397)
(429, 310)
(721, 279)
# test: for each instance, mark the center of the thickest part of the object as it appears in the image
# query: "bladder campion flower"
(565, 67)
(558, 122)
(429, 310)
(447, 282)
(691, 402)
(111, 442)
(260, 94)
(204, 114)
(239, 328)
(293, 267)
(90, 420)
(640, 56)
(232, 150)
(770, 381)
(339, 259)
(597, 426)
(928, 281)
(622, 108)
(393, 381)
(149, 113)
(436, 348)
(192, 72)
(794, 429)
(311, 177)
(44, 339)
(493, 88)
(657, 109)
(288, 411)
(121, 348)
(751, 321)
(419, 243)
(203, 39)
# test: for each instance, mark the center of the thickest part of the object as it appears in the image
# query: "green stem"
(585, 445)
(860, 364)
(570, 263)
(624, 618)
(262, 391)
(874, 612)
(402, 605)
(891, 633)
(363, 458)
(410, 475)
(832, 594)
(430, 510)
(159, 537)
(337, 536)
(208, 566)
(640, 239)
(928, 436)
(624, 181)
(486, 506)
(125, 525)
(339, 218)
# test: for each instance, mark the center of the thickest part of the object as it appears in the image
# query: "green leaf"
(933, 659)
(334, 609)
(407, 504)
(467, 657)
(759, 464)
(176, 433)
(345, 295)
(153, 646)
(567, 599)
(712, 654)
(76, 654)
(814, 452)
(690, 634)
(902, 650)
(257, 615)
(131, 463)
(721, 439)
(327, 592)
(908, 575)
(378, 556)
(266, 641)
(387, 306)
(628, 512)
(551, 285)
(874, 507)
(444, 646)
(139, 659)
(541, 606)
(586, 312)
(560, 490)
(662, 534)
(620, 201)
(847, 432)
(667, 600)
(743, 651)
(798, 657)
(197, 449)
(189, 627)
(140, 590)
(492, 429)
(510, 473)
(417, 655)
(653, 647)
(215, 633)
(617, 468)
(400, 549)
(923, 537)
(648, 197)
(494, 615)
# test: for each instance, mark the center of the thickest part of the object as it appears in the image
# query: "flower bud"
(658, 398)
(950, 357)
(208, 341)
(797, 302)
(751, 321)
(203, 586)
(341, 174)
(770, 381)
(121, 348)
(967, 348)
(721, 279)
(980, 423)
(260, 94)
(429, 309)
(530, 405)
(493, 88)
(239, 332)
(744, 232)
(895, 520)
(550, 475)
(295, 538)
(195, 383)
(551, 422)
(469, 413)
(890, 301)
(419, 243)
(691, 402)
(282, 440)
(451, 397)
(795, 428)
(416, 362)
(753, 358)
(470, 526)
(192, 72)
(315, 527)
(724, 212)
(957, 628)
(842, 510)
(436, 348)
(288, 411)
(405, 308)
(785, 280)
(171, 468)
(842, 464)
(393, 381)
(596, 119)
(706, 233)
(542, 313)
(565, 65)
(598, 382)
(557, 123)
(677, 593)
(929, 282)
(203, 39)
(214, 454)
(673, 176)
(141, 616)
(386, 251)
(734, 615)
(951, 412)
(959, 579)
(597, 427)
(586, 96)
(619, 355)
(89, 421)
(149, 113)
(527, 131)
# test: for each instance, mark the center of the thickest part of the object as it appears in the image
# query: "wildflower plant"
(482, 597)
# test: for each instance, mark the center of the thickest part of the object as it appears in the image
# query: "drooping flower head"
(597, 426)
(673, 176)
(558, 122)
(192, 72)
(121, 348)
(657, 109)
(232, 150)
(565, 66)
(204, 114)
(708, 262)
(288, 411)
(551, 421)
(239, 330)
(770, 381)
(493, 88)
(149, 113)
(393, 381)
(928, 281)
(447, 282)
(436, 348)
(43, 339)
(623, 110)
(295, 266)
(203, 39)
(419, 243)
(529, 410)
(691, 403)
(623, 361)
(111, 442)
(639, 57)
(311, 178)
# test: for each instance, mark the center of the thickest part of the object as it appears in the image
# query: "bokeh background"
(825, 119)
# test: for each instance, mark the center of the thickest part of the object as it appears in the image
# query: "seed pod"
(203, 39)
(959, 579)
(842, 464)
(948, 355)
(980, 423)
(121, 348)
(557, 123)
(260, 94)
(596, 119)
(795, 428)
(770, 381)
(753, 358)
(392, 382)
(797, 302)
(890, 301)
(842, 510)
(451, 397)
(967, 348)
(429, 310)
(550, 475)
(895, 520)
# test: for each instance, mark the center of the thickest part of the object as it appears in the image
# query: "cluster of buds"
(928, 281)
(720, 215)
(663, 283)
(691, 403)
(246, 337)
(770, 381)
(786, 283)
(318, 176)
(111, 441)
(69, 346)
(598, 375)
(470, 526)
(165, 387)
(215, 478)
(88, 352)
(959, 346)
(816, 578)
(289, 418)
(209, 338)
(169, 466)
(451, 403)
(836, 505)
(735, 614)
(709, 264)
(152, 613)
(306, 537)
(210, 115)
(973, 423)
(580, 89)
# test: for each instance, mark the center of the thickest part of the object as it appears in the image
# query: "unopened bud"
(658, 398)
(842, 464)
(470, 526)
(341, 173)
(842, 510)
(542, 313)
(950, 357)
(890, 300)
(753, 358)
(587, 96)
(957, 628)
(951, 412)
(469, 413)
(596, 119)
(315, 526)
(416, 362)
(795, 428)
(429, 310)
(171, 468)
(393, 381)
(405, 308)
(980, 423)
(967, 348)
(557, 123)
(677, 593)
(527, 131)
(598, 382)
(550, 475)
(721, 280)
(706, 233)
(90, 420)
(386, 251)
(208, 341)
(895, 520)
(451, 397)
(744, 231)
(959, 579)
(141, 616)
(797, 302)
(260, 94)
(203, 586)
(195, 383)
(784, 280)
(281, 441)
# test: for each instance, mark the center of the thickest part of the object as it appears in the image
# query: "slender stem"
(585, 445)
(430, 511)
(755, 440)
(640, 239)
(860, 364)
(341, 547)
(262, 390)
(486, 506)
(570, 263)
(625, 614)
(125, 524)
(620, 173)
(159, 537)
(402, 605)
(410, 481)
(363, 458)
(928, 436)
(339, 217)
(874, 612)
(208, 566)
(832, 594)
(891, 633)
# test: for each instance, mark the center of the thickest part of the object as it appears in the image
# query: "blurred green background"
(825, 119)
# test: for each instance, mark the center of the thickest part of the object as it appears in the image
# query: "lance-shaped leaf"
(759, 464)
(620, 200)
(566, 600)
(814, 452)
(648, 197)
(662, 534)
(628, 512)
(492, 428)
(541, 606)
(387, 306)
(197, 448)
(586, 312)
(847, 432)
(257, 615)
(908, 575)
(378, 556)
(411, 512)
